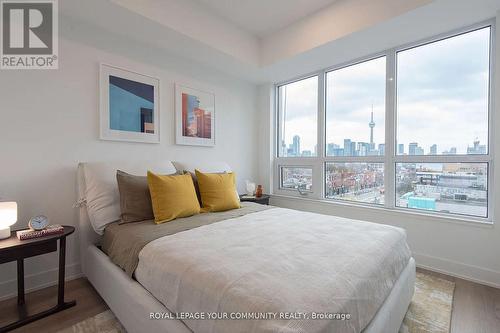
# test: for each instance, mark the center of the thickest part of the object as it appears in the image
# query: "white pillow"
(101, 189)
(208, 167)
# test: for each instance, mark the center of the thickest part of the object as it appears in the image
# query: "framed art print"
(129, 106)
(194, 117)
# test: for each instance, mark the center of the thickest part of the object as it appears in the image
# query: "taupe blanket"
(123, 242)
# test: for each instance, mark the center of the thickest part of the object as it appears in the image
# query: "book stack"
(30, 233)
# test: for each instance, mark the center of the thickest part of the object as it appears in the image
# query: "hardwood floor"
(476, 308)
(88, 304)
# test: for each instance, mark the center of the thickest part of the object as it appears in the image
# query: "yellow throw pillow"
(218, 191)
(172, 197)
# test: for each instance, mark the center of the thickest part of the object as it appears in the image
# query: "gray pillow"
(135, 199)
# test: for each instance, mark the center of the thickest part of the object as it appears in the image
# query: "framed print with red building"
(195, 117)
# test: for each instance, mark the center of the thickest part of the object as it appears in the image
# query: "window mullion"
(442, 158)
(319, 175)
(390, 130)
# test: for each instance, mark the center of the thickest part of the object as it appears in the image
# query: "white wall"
(49, 123)
(465, 249)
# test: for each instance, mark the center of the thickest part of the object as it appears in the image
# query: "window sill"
(470, 221)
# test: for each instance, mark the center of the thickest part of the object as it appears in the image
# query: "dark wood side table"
(13, 249)
(263, 200)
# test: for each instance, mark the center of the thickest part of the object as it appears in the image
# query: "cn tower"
(371, 124)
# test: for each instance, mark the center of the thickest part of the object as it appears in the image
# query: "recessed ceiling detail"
(262, 17)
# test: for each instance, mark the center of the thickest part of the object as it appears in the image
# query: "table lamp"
(8, 216)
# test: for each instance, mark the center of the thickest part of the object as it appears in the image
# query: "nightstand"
(13, 249)
(263, 200)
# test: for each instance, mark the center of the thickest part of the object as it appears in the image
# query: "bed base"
(132, 303)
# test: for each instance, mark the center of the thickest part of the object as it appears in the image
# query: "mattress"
(278, 270)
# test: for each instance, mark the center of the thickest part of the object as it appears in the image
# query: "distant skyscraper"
(338, 152)
(371, 124)
(381, 149)
(331, 148)
(433, 149)
(347, 147)
(401, 149)
(452, 151)
(363, 148)
(412, 147)
(296, 145)
(477, 148)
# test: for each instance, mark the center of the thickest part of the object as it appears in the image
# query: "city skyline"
(353, 148)
(364, 149)
(435, 103)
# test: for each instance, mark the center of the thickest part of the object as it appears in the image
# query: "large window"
(363, 182)
(298, 106)
(355, 109)
(442, 94)
(459, 188)
(407, 129)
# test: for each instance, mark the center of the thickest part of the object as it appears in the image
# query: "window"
(296, 178)
(407, 129)
(442, 94)
(458, 188)
(298, 105)
(362, 182)
(355, 109)
(442, 109)
(355, 122)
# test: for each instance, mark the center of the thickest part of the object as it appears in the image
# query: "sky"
(442, 98)
(350, 94)
(301, 112)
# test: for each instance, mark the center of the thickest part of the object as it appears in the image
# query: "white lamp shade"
(8, 214)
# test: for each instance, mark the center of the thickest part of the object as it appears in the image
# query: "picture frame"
(129, 105)
(194, 117)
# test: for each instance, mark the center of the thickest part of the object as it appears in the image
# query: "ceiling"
(192, 32)
(261, 17)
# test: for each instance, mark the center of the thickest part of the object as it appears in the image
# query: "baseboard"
(459, 270)
(40, 280)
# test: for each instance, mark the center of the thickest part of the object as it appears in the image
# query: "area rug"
(430, 307)
(429, 311)
(104, 322)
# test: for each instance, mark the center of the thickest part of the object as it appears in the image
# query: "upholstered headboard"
(87, 234)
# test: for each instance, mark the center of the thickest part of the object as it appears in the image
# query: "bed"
(250, 262)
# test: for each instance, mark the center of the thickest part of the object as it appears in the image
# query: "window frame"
(278, 116)
(318, 163)
(280, 180)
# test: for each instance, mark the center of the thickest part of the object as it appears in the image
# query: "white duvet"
(284, 262)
